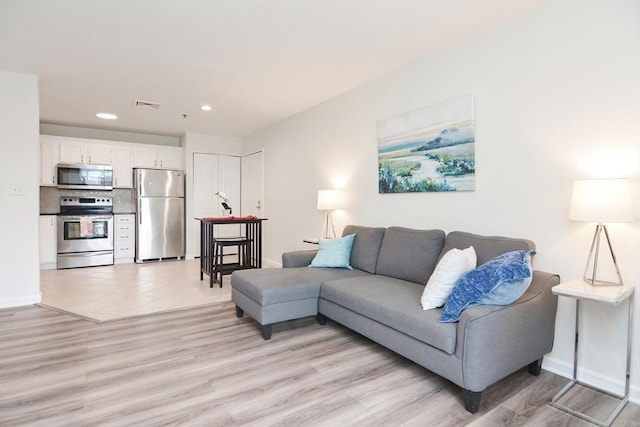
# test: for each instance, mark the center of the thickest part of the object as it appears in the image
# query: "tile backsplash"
(50, 198)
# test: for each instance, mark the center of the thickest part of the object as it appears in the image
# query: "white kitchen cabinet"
(99, 154)
(122, 169)
(48, 242)
(123, 156)
(48, 162)
(145, 157)
(157, 157)
(170, 158)
(124, 238)
(84, 152)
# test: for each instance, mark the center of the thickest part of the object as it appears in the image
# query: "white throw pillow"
(451, 267)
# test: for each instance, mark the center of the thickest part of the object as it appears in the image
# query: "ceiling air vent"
(147, 104)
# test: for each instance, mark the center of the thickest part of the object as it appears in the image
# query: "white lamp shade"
(329, 199)
(602, 200)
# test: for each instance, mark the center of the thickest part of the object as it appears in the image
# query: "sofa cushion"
(276, 285)
(394, 303)
(364, 254)
(487, 247)
(501, 281)
(334, 252)
(449, 270)
(409, 254)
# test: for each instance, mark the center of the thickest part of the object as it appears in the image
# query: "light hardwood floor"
(205, 367)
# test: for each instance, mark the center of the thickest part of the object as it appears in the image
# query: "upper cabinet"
(122, 170)
(157, 157)
(83, 152)
(48, 162)
(145, 157)
(170, 157)
(122, 156)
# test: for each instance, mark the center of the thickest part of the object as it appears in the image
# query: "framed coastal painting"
(427, 150)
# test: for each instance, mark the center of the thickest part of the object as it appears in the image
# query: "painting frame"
(430, 149)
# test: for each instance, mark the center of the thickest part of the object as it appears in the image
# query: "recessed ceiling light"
(107, 116)
(206, 108)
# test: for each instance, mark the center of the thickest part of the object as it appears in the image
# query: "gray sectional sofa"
(380, 299)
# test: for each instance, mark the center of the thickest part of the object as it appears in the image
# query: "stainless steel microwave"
(85, 177)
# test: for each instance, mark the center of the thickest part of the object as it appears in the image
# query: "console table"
(614, 295)
(252, 232)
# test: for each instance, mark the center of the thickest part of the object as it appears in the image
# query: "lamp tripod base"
(328, 231)
(590, 274)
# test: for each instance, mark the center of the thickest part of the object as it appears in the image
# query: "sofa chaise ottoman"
(380, 299)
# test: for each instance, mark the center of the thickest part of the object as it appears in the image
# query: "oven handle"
(93, 217)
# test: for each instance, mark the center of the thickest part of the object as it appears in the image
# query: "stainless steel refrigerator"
(159, 200)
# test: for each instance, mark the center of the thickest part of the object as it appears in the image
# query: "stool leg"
(220, 261)
(214, 265)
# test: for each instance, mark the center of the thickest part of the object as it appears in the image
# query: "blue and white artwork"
(430, 149)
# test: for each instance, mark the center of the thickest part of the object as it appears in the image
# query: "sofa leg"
(239, 312)
(472, 400)
(535, 367)
(322, 319)
(266, 332)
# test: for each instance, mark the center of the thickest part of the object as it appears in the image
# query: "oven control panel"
(86, 201)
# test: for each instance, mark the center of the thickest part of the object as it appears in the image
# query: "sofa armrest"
(494, 341)
(298, 258)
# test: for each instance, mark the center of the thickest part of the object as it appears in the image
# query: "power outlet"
(17, 190)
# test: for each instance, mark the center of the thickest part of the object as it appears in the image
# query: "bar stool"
(219, 267)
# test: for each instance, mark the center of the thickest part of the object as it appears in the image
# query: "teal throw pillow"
(334, 252)
(499, 281)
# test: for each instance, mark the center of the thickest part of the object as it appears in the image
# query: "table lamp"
(328, 200)
(600, 201)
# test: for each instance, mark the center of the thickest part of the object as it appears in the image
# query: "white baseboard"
(587, 376)
(51, 266)
(270, 263)
(18, 302)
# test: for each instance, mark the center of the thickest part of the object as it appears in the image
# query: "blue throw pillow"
(334, 252)
(499, 281)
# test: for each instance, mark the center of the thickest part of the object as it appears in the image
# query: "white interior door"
(213, 173)
(229, 181)
(229, 184)
(253, 184)
(205, 185)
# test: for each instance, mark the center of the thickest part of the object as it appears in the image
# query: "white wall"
(557, 98)
(19, 196)
(201, 143)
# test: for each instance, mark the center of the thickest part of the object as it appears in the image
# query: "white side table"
(613, 295)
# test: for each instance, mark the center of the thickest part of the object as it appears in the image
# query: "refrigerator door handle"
(139, 183)
(139, 211)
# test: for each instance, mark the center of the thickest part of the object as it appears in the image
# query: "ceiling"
(255, 62)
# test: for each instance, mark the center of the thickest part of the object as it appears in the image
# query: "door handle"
(140, 212)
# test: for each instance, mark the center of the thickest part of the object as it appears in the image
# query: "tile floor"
(119, 291)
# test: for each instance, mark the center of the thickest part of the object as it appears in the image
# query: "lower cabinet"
(124, 238)
(48, 242)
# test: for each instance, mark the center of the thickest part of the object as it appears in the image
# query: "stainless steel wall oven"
(85, 232)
